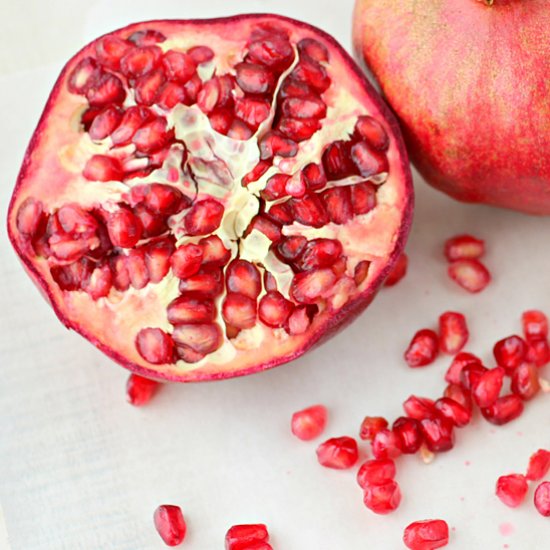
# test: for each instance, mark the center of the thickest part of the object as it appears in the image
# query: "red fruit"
(464, 247)
(376, 472)
(459, 362)
(470, 374)
(538, 352)
(453, 332)
(452, 143)
(454, 411)
(170, 524)
(539, 465)
(419, 407)
(398, 272)
(386, 444)
(525, 381)
(428, 534)
(409, 434)
(438, 434)
(309, 423)
(382, 499)
(460, 395)
(510, 352)
(423, 348)
(512, 489)
(503, 410)
(471, 275)
(371, 425)
(542, 499)
(535, 324)
(339, 453)
(139, 390)
(173, 199)
(241, 537)
(486, 388)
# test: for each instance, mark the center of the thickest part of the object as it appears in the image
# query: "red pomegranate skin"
(469, 83)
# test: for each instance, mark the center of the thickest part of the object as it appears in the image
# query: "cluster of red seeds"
(465, 268)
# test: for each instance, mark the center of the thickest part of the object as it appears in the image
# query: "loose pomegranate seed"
(539, 465)
(423, 349)
(464, 247)
(460, 395)
(453, 332)
(542, 499)
(512, 489)
(525, 381)
(398, 272)
(535, 324)
(538, 352)
(386, 444)
(309, 423)
(470, 374)
(438, 434)
(339, 453)
(140, 390)
(170, 524)
(486, 388)
(409, 434)
(419, 407)
(428, 534)
(376, 472)
(155, 346)
(503, 410)
(510, 352)
(382, 499)
(459, 362)
(371, 425)
(454, 411)
(241, 537)
(471, 275)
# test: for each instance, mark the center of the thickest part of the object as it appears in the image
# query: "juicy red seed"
(100, 282)
(382, 499)
(214, 252)
(140, 61)
(270, 283)
(147, 87)
(132, 120)
(512, 489)
(310, 286)
(361, 271)
(200, 54)
(386, 444)
(88, 117)
(453, 332)
(192, 88)
(153, 225)
(72, 276)
(190, 310)
(313, 48)
(423, 349)
(290, 248)
(419, 407)
(299, 321)
(438, 434)
(459, 362)
(538, 352)
(363, 197)
(159, 198)
(254, 79)
(121, 277)
(152, 136)
(271, 51)
(510, 352)
(471, 275)
(503, 410)
(292, 87)
(110, 50)
(274, 144)
(83, 75)
(308, 210)
(409, 434)
(371, 425)
(339, 453)
(295, 187)
(309, 423)
(140, 390)
(428, 534)
(336, 161)
(239, 310)
(298, 129)
(398, 271)
(542, 499)
(155, 346)
(30, 217)
(221, 120)
(275, 187)
(376, 472)
(102, 168)
(303, 107)
(274, 309)
(252, 111)
(268, 227)
(470, 374)
(460, 395)
(539, 465)
(209, 95)
(241, 537)
(204, 217)
(202, 339)
(368, 161)
(370, 130)
(319, 253)
(241, 132)
(256, 173)
(124, 228)
(312, 73)
(535, 324)
(170, 524)
(147, 37)
(137, 268)
(464, 247)
(105, 123)
(338, 204)
(105, 90)
(206, 283)
(525, 381)
(170, 95)
(314, 177)
(186, 260)
(178, 66)
(244, 278)
(486, 388)
(157, 258)
(454, 411)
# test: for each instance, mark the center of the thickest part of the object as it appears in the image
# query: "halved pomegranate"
(214, 201)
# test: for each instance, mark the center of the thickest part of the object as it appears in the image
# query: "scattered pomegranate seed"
(453, 332)
(535, 324)
(170, 524)
(486, 388)
(459, 362)
(419, 407)
(371, 425)
(471, 275)
(438, 434)
(398, 272)
(309, 423)
(140, 390)
(512, 489)
(463, 247)
(376, 472)
(471, 374)
(423, 348)
(454, 411)
(503, 410)
(386, 444)
(539, 465)
(542, 499)
(510, 352)
(409, 434)
(538, 352)
(338, 453)
(460, 395)
(382, 499)
(428, 534)
(525, 381)
(243, 537)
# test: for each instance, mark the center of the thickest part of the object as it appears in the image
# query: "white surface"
(81, 469)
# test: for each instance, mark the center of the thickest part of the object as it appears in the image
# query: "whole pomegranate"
(469, 82)
(204, 199)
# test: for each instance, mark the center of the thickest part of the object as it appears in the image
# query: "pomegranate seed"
(542, 499)
(274, 309)
(314, 177)
(503, 410)
(368, 161)
(205, 282)
(100, 282)
(178, 66)
(83, 76)
(471, 275)
(201, 339)
(486, 388)
(319, 253)
(419, 407)
(102, 168)
(201, 54)
(464, 247)
(186, 260)
(190, 310)
(538, 352)
(376, 472)
(460, 395)
(382, 499)
(539, 465)
(470, 374)
(155, 346)
(30, 217)
(204, 217)
(159, 198)
(157, 258)
(105, 90)
(299, 321)
(363, 197)
(272, 51)
(386, 444)
(214, 252)
(170, 95)
(525, 381)
(339, 453)
(309, 423)
(298, 129)
(308, 210)
(313, 48)
(274, 144)
(361, 272)
(254, 79)
(409, 434)
(137, 268)
(510, 352)
(110, 50)
(312, 73)
(454, 411)
(140, 390)
(241, 537)
(244, 278)
(423, 349)
(240, 131)
(459, 362)
(453, 332)
(239, 310)
(336, 161)
(512, 489)
(105, 123)
(252, 111)
(170, 524)
(147, 37)
(309, 287)
(338, 204)
(209, 95)
(428, 534)
(302, 107)
(124, 228)
(290, 248)
(140, 61)
(438, 434)
(370, 130)
(398, 271)
(371, 425)
(535, 324)
(132, 120)
(152, 136)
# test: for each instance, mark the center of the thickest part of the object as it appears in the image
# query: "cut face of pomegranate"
(205, 199)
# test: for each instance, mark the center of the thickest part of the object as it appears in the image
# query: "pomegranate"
(427, 534)
(213, 200)
(466, 78)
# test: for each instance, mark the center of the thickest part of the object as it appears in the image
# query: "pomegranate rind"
(109, 331)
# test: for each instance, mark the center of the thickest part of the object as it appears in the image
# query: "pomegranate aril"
(140, 61)
(371, 131)
(538, 352)
(338, 204)
(454, 411)
(419, 407)
(148, 86)
(460, 395)
(275, 187)
(72, 276)
(339, 453)
(240, 131)
(486, 388)
(124, 228)
(204, 217)
(319, 253)
(201, 339)
(464, 247)
(470, 374)
(209, 95)
(361, 272)
(214, 252)
(170, 95)
(512, 489)
(471, 275)
(239, 310)
(376, 472)
(30, 217)
(178, 66)
(75, 221)
(299, 321)
(121, 277)
(363, 197)
(428, 534)
(368, 161)
(371, 425)
(438, 433)
(159, 198)
(337, 163)
(272, 51)
(105, 90)
(309, 211)
(292, 87)
(311, 286)
(102, 168)
(190, 310)
(192, 88)
(309, 423)
(274, 144)
(268, 227)
(157, 258)
(257, 172)
(539, 465)
(314, 177)
(242, 537)
(312, 73)
(186, 260)
(155, 346)
(298, 129)
(221, 120)
(100, 282)
(252, 111)
(459, 362)
(140, 390)
(83, 75)
(409, 434)
(304, 107)
(510, 352)
(453, 332)
(200, 54)
(110, 50)
(244, 278)
(153, 224)
(170, 524)
(290, 248)
(386, 444)
(525, 381)
(423, 349)
(270, 283)
(206, 283)
(535, 324)
(542, 499)
(137, 268)
(132, 120)
(398, 272)
(254, 79)
(152, 136)
(274, 309)
(314, 49)
(503, 410)
(147, 37)
(105, 123)
(382, 499)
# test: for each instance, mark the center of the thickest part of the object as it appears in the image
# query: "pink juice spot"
(506, 529)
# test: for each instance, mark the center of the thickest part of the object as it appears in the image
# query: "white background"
(81, 469)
